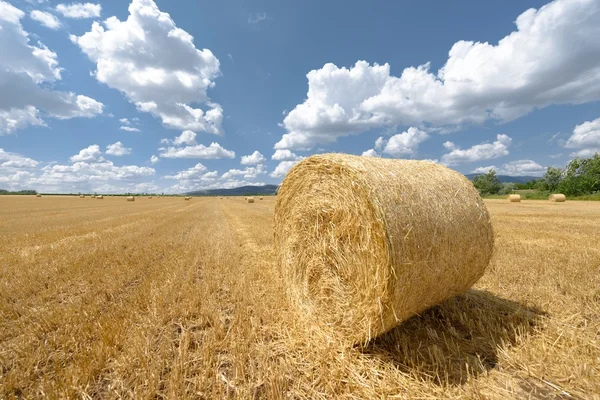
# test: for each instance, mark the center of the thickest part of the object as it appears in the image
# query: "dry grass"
(103, 300)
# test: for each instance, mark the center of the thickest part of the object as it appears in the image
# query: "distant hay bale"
(38, 195)
(130, 198)
(514, 198)
(187, 197)
(100, 197)
(82, 196)
(149, 197)
(260, 198)
(250, 199)
(364, 243)
(93, 196)
(558, 198)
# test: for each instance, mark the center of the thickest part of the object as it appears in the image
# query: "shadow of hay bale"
(457, 339)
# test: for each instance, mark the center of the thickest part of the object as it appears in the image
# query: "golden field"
(166, 298)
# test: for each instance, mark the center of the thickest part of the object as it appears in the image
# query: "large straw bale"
(514, 198)
(100, 197)
(558, 198)
(38, 195)
(250, 199)
(130, 198)
(364, 243)
(187, 197)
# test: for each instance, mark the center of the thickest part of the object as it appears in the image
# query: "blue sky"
(171, 96)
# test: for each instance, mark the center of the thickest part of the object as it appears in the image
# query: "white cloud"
(82, 174)
(585, 138)
(254, 158)
(15, 170)
(117, 149)
(515, 168)
(214, 151)
(485, 170)
(405, 143)
(186, 137)
(156, 65)
(15, 160)
(197, 172)
(285, 155)
(256, 18)
(154, 159)
(247, 173)
(129, 129)
(80, 10)
(90, 153)
(282, 169)
(535, 66)
(370, 153)
(45, 18)
(479, 152)
(125, 121)
(27, 72)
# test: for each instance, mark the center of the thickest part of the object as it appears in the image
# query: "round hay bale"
(82, 196)
(38, 195)
(514, 198)
(149, 197)
(250, 199)
(260, 198)
(558, 198)
(364, 243)
(130, 198)
(187, 197)
(100, 197)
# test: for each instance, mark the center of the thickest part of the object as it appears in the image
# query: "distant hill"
(507, 178)
(239, 191)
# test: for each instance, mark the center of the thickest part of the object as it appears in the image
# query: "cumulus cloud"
(26, 73)
(515, 168)
(246, 173)
(253, 159)
(197, 172)
(154, 159)
(479, 152)
(90, 153)
(285, 155)
(534, 66)
(282, 168)
(15, 170)
(214, 151)
(79, 10)
(129, 129)
(45, 18)
(117, 149)
(405, 143)
(370, 153)
(156, 65)
(82, 174)
(585, 138)
(186, 137)
(400, 144)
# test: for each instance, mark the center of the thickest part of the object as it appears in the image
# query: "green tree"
(552, 179)
(582, 176)
(488, 183)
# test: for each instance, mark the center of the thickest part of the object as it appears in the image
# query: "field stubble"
(166, 298)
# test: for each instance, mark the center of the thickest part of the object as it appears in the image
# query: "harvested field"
(114, 300)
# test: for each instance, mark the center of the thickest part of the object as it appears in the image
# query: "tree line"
(580, 177)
